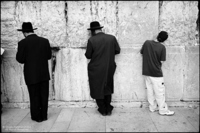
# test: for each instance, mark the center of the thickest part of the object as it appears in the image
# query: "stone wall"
(132, 22)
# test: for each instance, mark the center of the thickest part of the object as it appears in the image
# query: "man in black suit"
(34, 52)
(101, 49)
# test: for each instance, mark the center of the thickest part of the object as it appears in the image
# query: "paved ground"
(89, 120)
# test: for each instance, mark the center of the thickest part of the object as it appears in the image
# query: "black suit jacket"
(34, 52)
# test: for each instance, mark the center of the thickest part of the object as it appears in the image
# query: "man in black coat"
(34, 52)
(101, 49)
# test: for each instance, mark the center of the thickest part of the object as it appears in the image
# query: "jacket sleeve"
(142, 49)
(20, 56)
(89, 50)
(117, 48)
(49, 52)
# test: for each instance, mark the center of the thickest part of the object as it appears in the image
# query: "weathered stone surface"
(6, 4)
(71, 80)
(179, 19)
(7, 14)
(9, 38)
(78, 19)
(128, 80)
(12, 79)
(173, 73)
(8, 23)
(50, 23)
(138, 21)
(81, 13)
(191, 78)
(13, 86)
(65, 24)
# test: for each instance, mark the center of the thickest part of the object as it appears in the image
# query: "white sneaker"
(167, 112)
(154, 110)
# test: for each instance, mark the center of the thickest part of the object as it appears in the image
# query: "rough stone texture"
(173, 71)
(128, 81)
(71, 80)
(48, 17)
(191, 82)
(80, 14)
(8, 25)
(179, 19)
(78, 18)
(132, 22)
(12, 79)
(13, 86)
(138, 21)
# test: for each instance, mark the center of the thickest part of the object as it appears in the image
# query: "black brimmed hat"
(95, 25)
(27, 26)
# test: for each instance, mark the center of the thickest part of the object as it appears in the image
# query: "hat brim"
(93, 28)
(26, 29)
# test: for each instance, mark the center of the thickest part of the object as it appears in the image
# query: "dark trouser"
(39, 94)
(104, 104)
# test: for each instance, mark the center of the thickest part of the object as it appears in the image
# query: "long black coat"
(101, 49)
(34, 52)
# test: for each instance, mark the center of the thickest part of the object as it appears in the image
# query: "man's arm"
(117, 48)
(2, 51)
(163, 55)
(89, 50)
(49, 52)
(142, 49)
(20, 56)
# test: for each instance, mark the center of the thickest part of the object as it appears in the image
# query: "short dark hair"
(162, 36)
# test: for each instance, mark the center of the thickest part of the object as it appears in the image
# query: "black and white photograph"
(100, 66)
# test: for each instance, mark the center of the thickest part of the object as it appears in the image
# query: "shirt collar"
(100, 33)
(31, 35)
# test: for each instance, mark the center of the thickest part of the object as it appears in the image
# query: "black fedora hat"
(95, 25)
(27, 26)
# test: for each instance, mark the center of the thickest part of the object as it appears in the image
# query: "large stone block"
(53, 22)
(78, 19)
(81, 13)
(7, 4)
(179, 19)
(128, 79)
(48, 17)
(9, 38)
(138, 21)
(173, 71)
(13, 86)
(7, 14)
(191, 77)
(71, 77)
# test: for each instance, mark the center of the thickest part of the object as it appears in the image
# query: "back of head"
(28, 31)
(162, 36)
